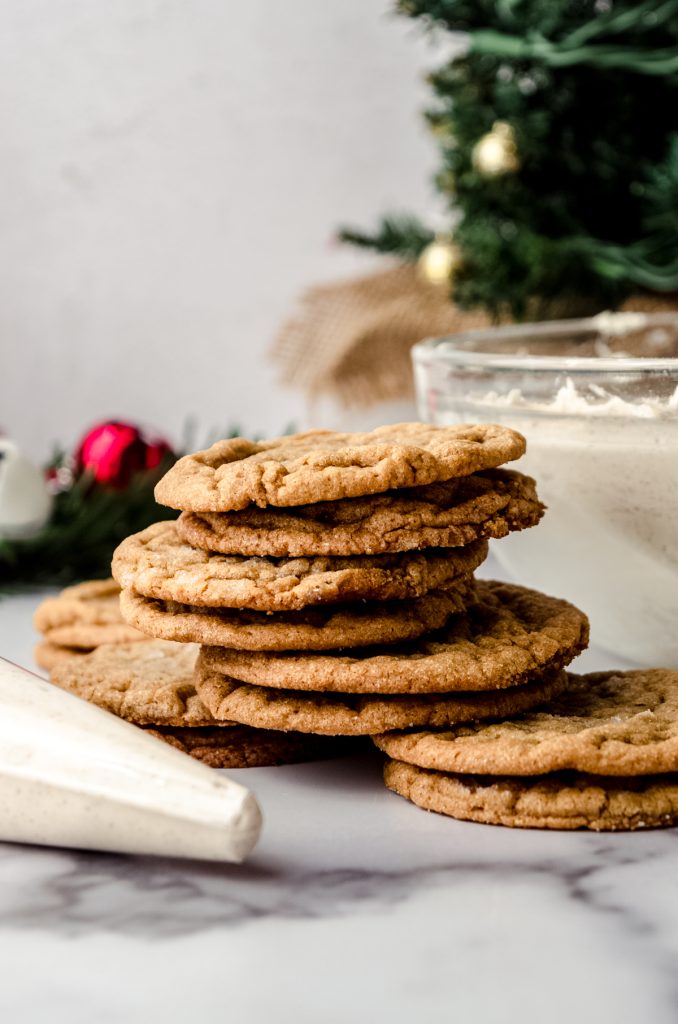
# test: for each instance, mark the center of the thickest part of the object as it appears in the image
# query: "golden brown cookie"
(451, 514)
(507, 636)
(323, 628)
(344, 714)
(567, 801)
(321, 465)
(85, 616)
(607, 723)
(157, 563)
(242, 747)
(149, 684)
(48, 655)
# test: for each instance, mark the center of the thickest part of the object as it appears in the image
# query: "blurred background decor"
(172, 175)
(62, 523)
(350, 340)
(558, 175)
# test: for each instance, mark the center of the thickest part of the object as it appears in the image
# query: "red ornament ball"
(114, 452)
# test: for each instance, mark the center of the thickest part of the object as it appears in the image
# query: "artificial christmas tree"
(558, 139)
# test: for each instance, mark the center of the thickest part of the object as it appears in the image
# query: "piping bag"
(74, 775)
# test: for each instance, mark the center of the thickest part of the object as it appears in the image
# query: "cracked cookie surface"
(158, 563)
(325, 627)
(451, 514)
(343, 714)
(506, 636)
(148, 684)
(322, 465)
(570, 801)
(604, 723)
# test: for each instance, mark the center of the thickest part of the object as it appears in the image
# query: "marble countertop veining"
(356, 905)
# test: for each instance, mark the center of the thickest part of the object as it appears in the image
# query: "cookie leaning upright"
(321, 465)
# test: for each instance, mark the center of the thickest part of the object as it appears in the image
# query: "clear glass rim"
(446, 348)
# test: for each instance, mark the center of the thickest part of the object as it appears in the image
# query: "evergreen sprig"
(88, 520)
(86, 524)
(401, 234)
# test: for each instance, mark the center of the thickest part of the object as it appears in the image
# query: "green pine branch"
(398, 234)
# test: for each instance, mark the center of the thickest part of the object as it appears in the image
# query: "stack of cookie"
(152, 686)
(603, 756)
(329, 578)
(80, 619)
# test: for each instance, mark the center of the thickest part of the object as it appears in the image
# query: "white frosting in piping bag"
(74, 775)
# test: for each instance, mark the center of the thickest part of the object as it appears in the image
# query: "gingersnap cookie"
(157, 563)
(242, 747)
(85, 616)
(148, 684)
(561, 801)
(322, 628)
(47, 655)
(507, 636)
(321, 465)
(345, 714)
(152, 686)
(605, 723)
(450, 514)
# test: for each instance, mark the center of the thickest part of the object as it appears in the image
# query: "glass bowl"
(597, 400)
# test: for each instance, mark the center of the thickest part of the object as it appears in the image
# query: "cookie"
(242, 747)
(567, 801)
(157, 563)
(451, 514)
(344, 714)
(324, 628)
(606, 723)
(148, 684)
(321, 465)
(47, 655)
(152, 685)
(507, 636)
(85, 616)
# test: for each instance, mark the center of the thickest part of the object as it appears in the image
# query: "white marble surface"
(355, 906)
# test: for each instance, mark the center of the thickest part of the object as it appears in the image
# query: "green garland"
(575, 47)
(86, 524)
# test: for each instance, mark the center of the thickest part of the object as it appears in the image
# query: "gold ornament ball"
(439, 261)
(496, 153)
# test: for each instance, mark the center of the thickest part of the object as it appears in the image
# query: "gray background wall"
(171, 175)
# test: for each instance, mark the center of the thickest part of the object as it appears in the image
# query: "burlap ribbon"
(352, 340)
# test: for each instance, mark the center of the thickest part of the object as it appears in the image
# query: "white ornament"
(25, 501)
(74, 775)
